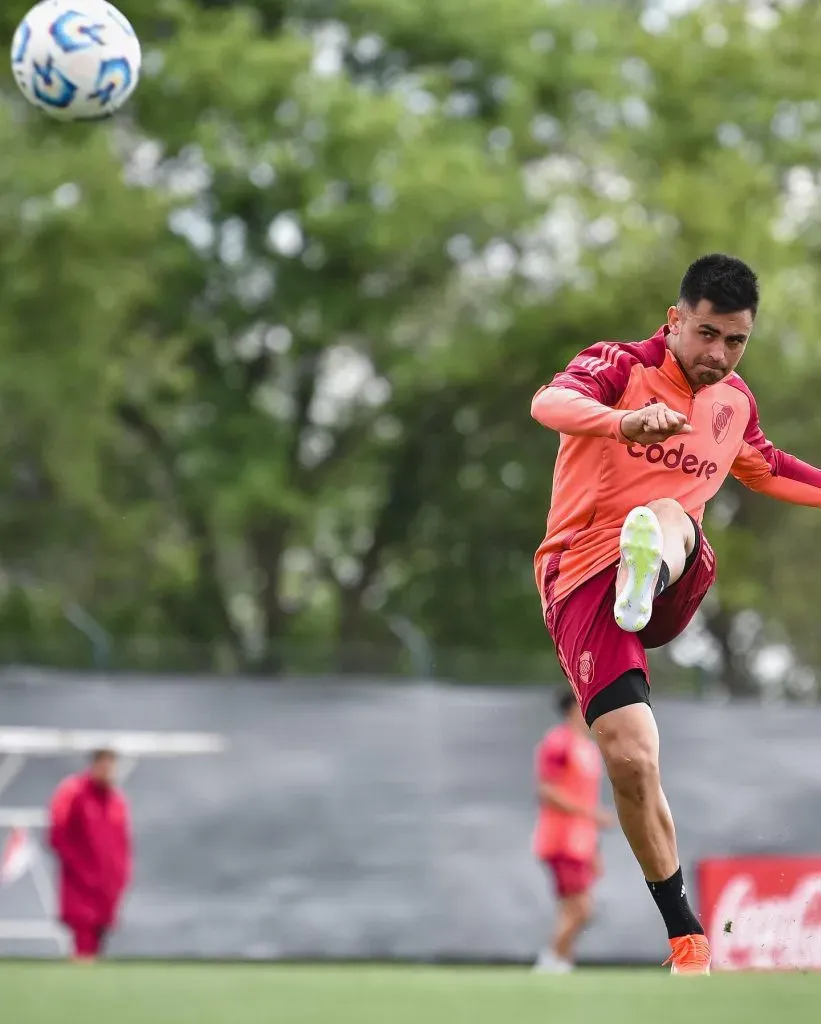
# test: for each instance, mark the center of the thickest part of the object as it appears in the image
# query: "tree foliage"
(269, 339)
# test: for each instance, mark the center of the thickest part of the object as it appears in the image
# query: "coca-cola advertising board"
(762, 913)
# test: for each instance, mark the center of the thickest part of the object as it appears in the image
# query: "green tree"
(268, 341)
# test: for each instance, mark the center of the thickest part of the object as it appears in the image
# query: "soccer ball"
(78, 60)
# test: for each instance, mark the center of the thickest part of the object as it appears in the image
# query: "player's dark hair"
(565, 702)
(724, 281)
(102, 754)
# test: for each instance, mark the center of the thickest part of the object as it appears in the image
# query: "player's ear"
(674, 319)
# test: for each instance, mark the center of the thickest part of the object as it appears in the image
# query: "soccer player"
(649, 432)
(568, 777)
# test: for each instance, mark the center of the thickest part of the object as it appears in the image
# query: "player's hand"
(604, 819)
(654, 423)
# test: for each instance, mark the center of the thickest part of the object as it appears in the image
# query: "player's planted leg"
(629, 741)
(655, 541)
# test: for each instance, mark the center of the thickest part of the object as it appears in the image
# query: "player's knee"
(667, 509)
(673, 518)
(632, 765)
(633, 774)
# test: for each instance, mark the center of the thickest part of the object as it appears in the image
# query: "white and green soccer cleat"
(641, 547)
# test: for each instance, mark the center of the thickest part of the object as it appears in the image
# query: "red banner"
(762, 913)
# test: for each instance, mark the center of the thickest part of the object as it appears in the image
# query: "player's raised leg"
(656, 539)
(629, 741)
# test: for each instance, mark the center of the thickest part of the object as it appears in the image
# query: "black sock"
(671, 899)
(664, 578)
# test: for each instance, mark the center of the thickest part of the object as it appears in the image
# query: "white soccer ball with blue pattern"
(77, 61)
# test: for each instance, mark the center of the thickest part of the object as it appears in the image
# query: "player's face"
(104, 770)
(707, 344)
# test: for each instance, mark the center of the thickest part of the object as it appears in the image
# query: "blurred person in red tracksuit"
(90, 834)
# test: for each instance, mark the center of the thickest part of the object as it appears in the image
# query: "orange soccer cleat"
(691, 955)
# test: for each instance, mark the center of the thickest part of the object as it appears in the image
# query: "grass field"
(257, 994)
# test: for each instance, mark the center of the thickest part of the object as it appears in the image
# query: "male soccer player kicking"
(649, 432)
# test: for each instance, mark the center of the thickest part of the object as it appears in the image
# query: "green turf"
(257, 994)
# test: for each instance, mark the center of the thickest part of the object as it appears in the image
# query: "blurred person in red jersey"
(90, 834)
(568, 777)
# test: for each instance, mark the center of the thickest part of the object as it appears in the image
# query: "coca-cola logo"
(674, 458)
(752, 931)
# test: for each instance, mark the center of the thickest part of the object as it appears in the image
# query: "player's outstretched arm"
(575, 414)
(762, 467)
(581, 400)
(778, 475)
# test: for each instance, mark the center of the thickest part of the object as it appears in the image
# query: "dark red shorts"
(570, 877)
(593, 650)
